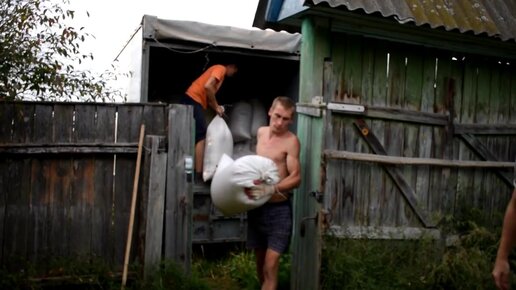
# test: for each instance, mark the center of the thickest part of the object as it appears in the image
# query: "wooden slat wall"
(382, 74)
(68, 204)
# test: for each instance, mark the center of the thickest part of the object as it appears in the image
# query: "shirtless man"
(501, 270)
(270, 226)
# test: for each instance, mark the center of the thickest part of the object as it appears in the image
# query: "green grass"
(421, 264)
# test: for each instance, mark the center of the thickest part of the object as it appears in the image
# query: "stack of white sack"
(233, 176)
(244, 120)
(219, 141)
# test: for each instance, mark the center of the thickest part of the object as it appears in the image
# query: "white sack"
(240, 121)
(241, 149)
(218, 142)
(231, 177)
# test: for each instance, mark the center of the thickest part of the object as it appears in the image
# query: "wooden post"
(133, 205)
(155, 189)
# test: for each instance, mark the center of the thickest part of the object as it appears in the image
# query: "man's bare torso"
(275, 147)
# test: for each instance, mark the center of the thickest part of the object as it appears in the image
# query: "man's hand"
(220, 111)
(501, 274)
(260, 190)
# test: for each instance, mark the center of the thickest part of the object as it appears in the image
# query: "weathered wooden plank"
(130, 117)
(105, 125)
(102, 222)
(331, 170)
(368, 72)
(178, 208)
(383, 233)
(442, 100)
(492, 182)
(425, 134)
(464, 187)
(395, 135)
(155, 206)
(485, 154)
(398, 160)
(81, 205)
(339, 62)
(18, 191)
(41, 195)
(62, 126)
(17, 213)
(482, 100)
(353, 70)
(102, 240)
(129, 122)
(363, 170)
(486, 129)
(42, 123)
(69, 148)
(450, 175)
(507, 77)
(154, 118)
(23, 123)
(6, 118)
(60, 187)
(379, 183)
(3, 189)
(512, 103)
(395, 174)
(84, 123)
(37, 242)
(60, 183)
(412, 101)
(83, 195)
(396, 77)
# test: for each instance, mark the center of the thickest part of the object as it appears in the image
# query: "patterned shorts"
(270, 226)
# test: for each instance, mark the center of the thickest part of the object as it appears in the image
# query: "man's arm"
(293, 179)
(211, 90)
(501, 267)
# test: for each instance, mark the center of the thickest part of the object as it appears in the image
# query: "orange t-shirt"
(197, 92)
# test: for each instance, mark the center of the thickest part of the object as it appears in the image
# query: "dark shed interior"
(262, 75)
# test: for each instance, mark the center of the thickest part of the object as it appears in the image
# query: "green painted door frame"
(306, 242)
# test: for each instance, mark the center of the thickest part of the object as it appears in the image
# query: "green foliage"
(242, 268)
(171, 276)
(93, 273)
(463, 262)
(39, 54)
(58, 273)
(238, 271)
(375, 264)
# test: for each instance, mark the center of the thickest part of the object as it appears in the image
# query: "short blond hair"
(286, 102)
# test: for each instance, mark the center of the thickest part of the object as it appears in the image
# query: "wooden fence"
(446, 120)
(67, 174)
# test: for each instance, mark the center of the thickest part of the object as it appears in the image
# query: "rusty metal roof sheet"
(496, 18)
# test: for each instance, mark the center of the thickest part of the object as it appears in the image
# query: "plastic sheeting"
(225, 36)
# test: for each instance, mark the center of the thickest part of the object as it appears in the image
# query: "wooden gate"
(395, 137)
(66, 178)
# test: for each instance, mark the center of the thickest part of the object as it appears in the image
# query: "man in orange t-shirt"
(200, 95)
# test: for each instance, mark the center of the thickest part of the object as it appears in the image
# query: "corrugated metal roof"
(496, 18)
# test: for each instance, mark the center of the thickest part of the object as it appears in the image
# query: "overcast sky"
(112, 22)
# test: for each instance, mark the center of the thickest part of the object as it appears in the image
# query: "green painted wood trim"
(307, 249)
